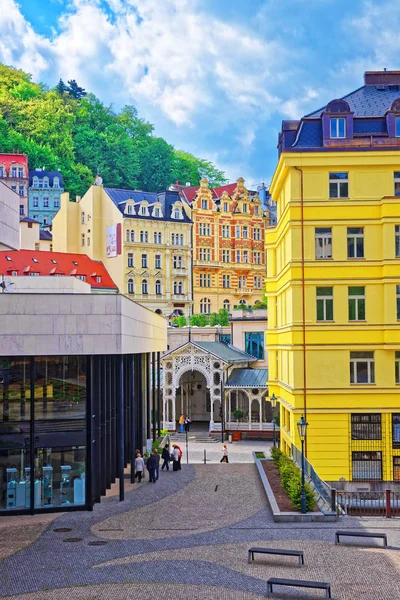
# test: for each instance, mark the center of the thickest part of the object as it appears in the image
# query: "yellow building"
(333, 283)
(228, 248)
(32, 237)
(143, 239)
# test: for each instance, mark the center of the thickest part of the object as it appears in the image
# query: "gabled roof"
(190, 192)
(28, 220)
(224, 352)
(51, 263)
(248, 378)
(45, 235)
(50, 174)
(166, 199)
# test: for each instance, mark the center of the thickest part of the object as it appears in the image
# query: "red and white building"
(14, 173)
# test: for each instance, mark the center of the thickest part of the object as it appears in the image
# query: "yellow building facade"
(333, 285)
(143, 239)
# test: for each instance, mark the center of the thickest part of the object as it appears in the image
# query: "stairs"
(199, 437)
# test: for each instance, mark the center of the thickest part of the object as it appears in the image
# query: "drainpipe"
(303, 293)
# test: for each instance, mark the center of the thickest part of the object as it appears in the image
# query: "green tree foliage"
(65, 128)
(180, 321)
(198, 320)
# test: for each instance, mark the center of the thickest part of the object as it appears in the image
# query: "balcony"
(245, 291)
(179, 272)
(181, 297)
(206, 263)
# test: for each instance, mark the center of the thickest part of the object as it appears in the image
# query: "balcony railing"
(244, 291)
(179, 272)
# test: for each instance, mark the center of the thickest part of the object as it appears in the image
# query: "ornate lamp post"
(302, 428)
(273, 400)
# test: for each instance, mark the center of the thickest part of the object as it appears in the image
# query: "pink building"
(14, 173)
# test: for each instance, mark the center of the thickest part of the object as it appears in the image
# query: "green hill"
(83, 137)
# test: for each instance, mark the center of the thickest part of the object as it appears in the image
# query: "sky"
(215, 77)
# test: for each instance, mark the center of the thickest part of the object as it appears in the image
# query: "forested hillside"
(82, 137)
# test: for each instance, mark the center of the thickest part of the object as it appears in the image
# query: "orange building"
(228, 248)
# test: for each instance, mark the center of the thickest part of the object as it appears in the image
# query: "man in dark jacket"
(166, 457)
(151, 467)
(157, 459)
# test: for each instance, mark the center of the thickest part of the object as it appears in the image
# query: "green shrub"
(291, 480)
(294, 493)
(276, 455)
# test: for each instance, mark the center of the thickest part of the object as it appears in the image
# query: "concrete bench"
(299, 583)
(363, 534)
(298, 553)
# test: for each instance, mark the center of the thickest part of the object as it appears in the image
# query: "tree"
(61, 88)
(180, 321)
(223, 317)
(198, 320)
(187, 168)
(75, 90)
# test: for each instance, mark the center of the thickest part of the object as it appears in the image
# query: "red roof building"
(56, 264)
(189, 193)
(14, 173)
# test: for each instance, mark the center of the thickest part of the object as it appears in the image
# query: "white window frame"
(145, 261)
(145, 287)
(257, 258)
(397, 367)
(226, 207)
(226, 281)
(338, 182)
(246, 256)
(226, 231)
(226, 256)
(323, 298)
(369, 361)
(131, 286)
(204, 204)
(357, 298)
(205, 306)
(397, 241)
(256, 234)
(238, 256)
(157, 261)
(323, 244)
(335, 121)
(131, 262)
(237, 232)
(354, 237)
(158, 287)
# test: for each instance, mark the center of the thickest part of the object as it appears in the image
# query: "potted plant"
(238, 414)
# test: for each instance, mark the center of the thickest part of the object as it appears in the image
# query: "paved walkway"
(186, 538)
(239, 452)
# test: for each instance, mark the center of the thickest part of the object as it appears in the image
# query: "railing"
(246, 426)
(325, 492)
(385, 503)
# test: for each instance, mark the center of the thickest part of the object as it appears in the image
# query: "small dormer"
(177, 210)
(144, 208)
(241, 198)
(204, 199)
(157, 210)
(393, 119)
(129, 208)
(256, 206)
(337, 121)
(225, 202)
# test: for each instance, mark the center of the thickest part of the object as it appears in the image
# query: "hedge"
(291, 480)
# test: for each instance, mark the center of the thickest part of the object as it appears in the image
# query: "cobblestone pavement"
(186, 538)
(239, 452)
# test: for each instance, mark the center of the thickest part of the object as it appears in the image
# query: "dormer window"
(204, 204)
(177, 213)
(338, 127)
(45, 182)
(129, 209)
(56, 182)
(35, 182)
(226, 207)
(244, 208)
(144, 210)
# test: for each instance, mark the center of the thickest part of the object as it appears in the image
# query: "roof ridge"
(325, 105)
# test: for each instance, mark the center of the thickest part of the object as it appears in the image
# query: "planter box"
(236, 436)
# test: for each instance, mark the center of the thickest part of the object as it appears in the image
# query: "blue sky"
(216, 77)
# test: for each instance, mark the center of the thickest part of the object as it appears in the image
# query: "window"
(366, 427)
(397, 366)
(14, 273)
(205, 254)
(398, 302)
(177, 213)
(144, 287)
(156, 211)
(204, 204)
(177, 262)
(88, 239)
(56, 203)
(257, 258)
(40, 184)
(81, 277)
(13, 171)
(56, 182)
(244, 208)
(130, 259)
(324, 304)
(397, 240)
(14, 188)
(45, 182)
(1, 171)
(21, 190)
(144, 261)
(45, 220)
(254, 344)
(204, 229)
(257, 234)
(82, 239)
(181, 239)
(238, 256)
(226, 281)
(355, 242)
(226, 207)
(37, 246)
(21, 209)
(257, 283)
(225, 231)
(356, 303)
(157, 237)
(396, 468)
(178, 287)
(129, 209)
(205, 280)
(131, 286)
(158, 287)
(362, 367)
(205, 306)
(237, 231)
(323, 242)
(173, 239)
(242, 282)
(338, 128)
(397, 183)
(396, 431)
(367, 465)
(227, 305)
(157, 261)
(144, 211)
(225, 256)
(82, 218)
(20, 171)
(98, 279)
(46, 202)
(338, 185)
(245, 233)
(144, 236)
(397, 127)
(246, 256)
(256, 211)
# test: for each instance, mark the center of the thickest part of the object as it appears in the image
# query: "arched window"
(131, 286)
(144, 287)
(178, 287)
(128, 235)
(205, 306)
(45, 182)
(158, 287)
(56, 182)
(132, 236)
(35, 182)
(242, 301)
(181, 239)
(227, 305)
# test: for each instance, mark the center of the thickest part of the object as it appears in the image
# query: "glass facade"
(254, 344)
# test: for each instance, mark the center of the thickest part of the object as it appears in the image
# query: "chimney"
(382, 78)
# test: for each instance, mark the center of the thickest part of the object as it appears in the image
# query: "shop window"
(366, 427)
(254, 344)
(356, 301)
(367, 466)
(362, 367)
(338, 185)
(324, 303)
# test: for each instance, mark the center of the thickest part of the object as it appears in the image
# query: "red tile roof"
(56, 263)
(190, 192)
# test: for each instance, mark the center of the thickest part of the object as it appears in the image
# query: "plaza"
(187, 537)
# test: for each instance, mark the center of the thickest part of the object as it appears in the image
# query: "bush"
(180, 321)
(291, 480)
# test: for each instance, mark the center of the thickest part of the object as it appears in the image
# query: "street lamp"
(302, 429)
(273, 400)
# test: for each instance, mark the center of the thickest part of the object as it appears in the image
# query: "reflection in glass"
(61, 473)
(14, 395)
(14, 483)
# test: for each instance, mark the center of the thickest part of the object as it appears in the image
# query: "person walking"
(139, 466)
(157, 459)
(181, 423)
(151, 467)
(187, 423)
(179, 456)
(166, 457)
(225, 455)
(175, 456)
